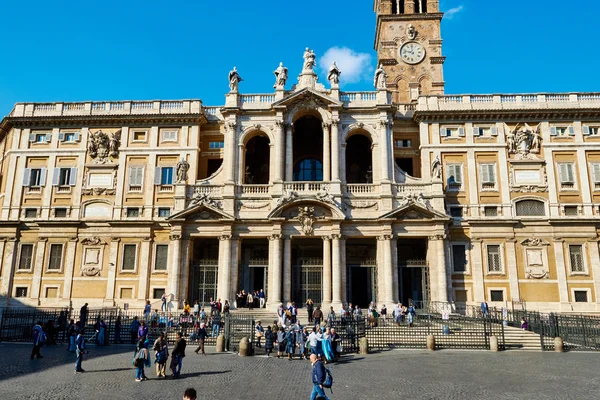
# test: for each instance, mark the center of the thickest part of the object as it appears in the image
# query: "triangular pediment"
(415, 210)
(201, 212)
(308, 95)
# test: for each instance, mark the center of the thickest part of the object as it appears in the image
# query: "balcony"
(107, 108)
(413, 189)
(254, 190)
(306, 187)
(212, 190)
(362, 189)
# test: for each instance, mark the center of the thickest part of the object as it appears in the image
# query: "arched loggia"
(257, 161)
(359, 159)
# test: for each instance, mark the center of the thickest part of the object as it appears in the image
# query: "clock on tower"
(409, 46)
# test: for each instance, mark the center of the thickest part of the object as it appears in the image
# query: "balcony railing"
(405, 189)
(254, 189)
(509, 101)
(306, 187)
(107, 108)
(362, 188)
(213, 190)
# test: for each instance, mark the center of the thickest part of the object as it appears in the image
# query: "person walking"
(290, 343)
(269, 339)
(79, 350)
(190, 394)
(398, 313)
(301, 336)
(140, 360)
(142, 333)
(196, 309)
(310, 309)
(83, 315)
(101, 332)
(313, 340)
(335, 343)
(216, 324)
(330, 316)
(162, 354)
(178, 355)
(118, 330)
(317, 316)
(201, 337)
(147, 311)
(133, 329)
(280, 314)
(318, 378)
(261, 299)
(485, 310)
(260, 333)
(39, 338)
(163, 300)
(71, 334)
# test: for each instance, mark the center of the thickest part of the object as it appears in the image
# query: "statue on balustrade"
(234, 80)
(436, 168)
(182, 169)
(380, 80)
(281, 76)
(334, 74)
(309, 60)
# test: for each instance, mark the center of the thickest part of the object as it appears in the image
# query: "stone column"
(337, 266)
(8, 267)
(144, 275)
(38, 268)
(561, 271)
(175, 270)
(112, 269)
(184, 261)
(279, 152)
(437, 241)
(289, 153)
(387, 273)
(235, 259)
(396, 290)
(326, 297)
(224, 278)
(344, 270)
(70, 267)
(229, 155)
(384, 147)
(477, 271)
(274, 293)
(287, 268)
(511, 266)
(335, 151)
(326, 153)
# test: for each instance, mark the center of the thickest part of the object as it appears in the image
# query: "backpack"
(328, 380)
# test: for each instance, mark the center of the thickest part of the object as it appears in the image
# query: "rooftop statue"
(334, 74)
(309, 60)
(380, 80)
(281, 76)
(234, 80)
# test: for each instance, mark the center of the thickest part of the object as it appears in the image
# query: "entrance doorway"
(254, 265)
(361, 261)
(204, 271)
(307, 271)
(413, 276)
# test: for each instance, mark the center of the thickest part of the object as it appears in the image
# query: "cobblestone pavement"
(394, 375)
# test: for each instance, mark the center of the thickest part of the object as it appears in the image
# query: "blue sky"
(117, 50)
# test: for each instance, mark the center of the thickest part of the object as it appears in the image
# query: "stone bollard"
(493, 343)
(559, 345)
(220, 343)
(363, 346)
(244, 347)
(431, 342)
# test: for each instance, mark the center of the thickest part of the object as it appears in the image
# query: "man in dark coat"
(177, 355)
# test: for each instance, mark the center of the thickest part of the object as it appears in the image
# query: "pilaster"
(70, 267)
(8, 267)
(224, 278)
(38, 268)
(289, 153)
(112, 268)
(337, 266)
(387, 296)
(561, 272)
(336, 166)
(595, 257)
(326, 152)
(326, 298)
(175, 269)
(144, 266)
(274, 271)
(511, 264)
(477, 270)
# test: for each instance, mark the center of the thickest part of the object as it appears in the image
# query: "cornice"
(506, 115)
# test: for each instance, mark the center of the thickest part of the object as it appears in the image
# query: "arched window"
(308, 169)
(420, 6)
(530, 208)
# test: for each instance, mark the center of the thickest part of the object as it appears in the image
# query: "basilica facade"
(402, 193)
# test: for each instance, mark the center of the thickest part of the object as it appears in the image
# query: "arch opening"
(359, 159)
(308, 149)
(257, 160)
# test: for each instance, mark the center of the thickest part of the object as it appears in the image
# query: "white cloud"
(354, 66)
(452, 12)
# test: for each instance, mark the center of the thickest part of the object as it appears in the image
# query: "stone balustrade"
(107, 108)
(306, 187)
(509, 101)
(361, 189)
(254, 189)
(212, 190)
(413, 189)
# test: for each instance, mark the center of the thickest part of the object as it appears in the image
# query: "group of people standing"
(141, 358)
(250, 299)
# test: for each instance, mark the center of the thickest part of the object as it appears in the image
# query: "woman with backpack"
(140, 360)
(162, 354)
(269, 339)
(201, 337)
(290, 346)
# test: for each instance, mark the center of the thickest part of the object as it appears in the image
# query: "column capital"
(385, 237)
(231, 126)
(280, 123)
(175, 236)
(335, 122)
(338, 236)
(326, 124)
(326, 238)
(439, 236)
(225, 237)
(42, 239)
(118, 239)
(275, 236)
(74, 239)
(385, 123)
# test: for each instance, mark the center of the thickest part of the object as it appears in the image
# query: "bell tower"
(409, 46)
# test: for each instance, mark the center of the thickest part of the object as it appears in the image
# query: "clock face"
(412, 53)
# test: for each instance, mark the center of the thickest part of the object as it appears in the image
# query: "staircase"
(267, 317)
(518, 339)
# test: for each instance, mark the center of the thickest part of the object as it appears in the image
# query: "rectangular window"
(26, 257)
(160, 261)
(20, 292)
(593, 130)
(129, 257)
(60, 212)
(55, 260)
(216, 145)
(51, 292)
(571, 211)
(496, 295)
(459, 258)
(64, 176)
(567, 177)
(452, 132)
(493, 254)
(169, 136)
(490, 211)
(166, 175)
(31, 213)
(35, 177)
(576, 258)
(133, 212)
(581, 296)
(71, 137)
(41, 138)
(485, 131)
(157, 293)
(454, 176)
(139, 136)
(405, 143)
(596, 175)
(136, 178)
(126, 293)
(488, 176)
(164, 212)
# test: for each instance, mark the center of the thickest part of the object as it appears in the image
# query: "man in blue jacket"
(318, 378)
(38, 340)
(80, 350)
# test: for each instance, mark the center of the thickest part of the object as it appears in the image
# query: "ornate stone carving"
(325, 197)
(334, 75)
(226, 236)
(286, 197)
(275, 236)
(534, 242)
(326, 238)
(438, 236)
(524, 142)
(281, 76)
(361, 204)
(436, 168)
(385, 237)
(536, 273)
(92, 241)
(182, 169)
(380, 79)
(204, 199)
(253, 205)
(90, 271)
(234, 80)
(100, 146)
(175, 236)
(307, 219)
(411, 32)
(98, 191)
(414, 198)
(337, 236)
